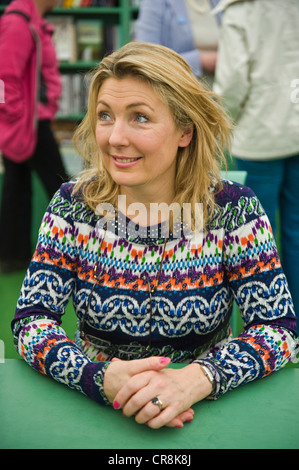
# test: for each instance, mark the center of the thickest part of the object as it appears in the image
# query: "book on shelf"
(74, 96)
(89, 39)
(64, 37)
(78, 3)
(81, 40)
(88, 3)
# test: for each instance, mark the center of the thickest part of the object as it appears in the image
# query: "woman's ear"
(186, 137)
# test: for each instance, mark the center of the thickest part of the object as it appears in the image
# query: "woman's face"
(138, 139)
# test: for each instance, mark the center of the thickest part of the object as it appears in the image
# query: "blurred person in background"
(256, 68)
(187, 27)
(29, 71)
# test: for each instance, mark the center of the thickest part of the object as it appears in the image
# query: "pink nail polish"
(179, 427)
(188, 420)
(163, 360)
(115, 405)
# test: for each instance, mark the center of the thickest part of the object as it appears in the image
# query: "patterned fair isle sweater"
(192, 305)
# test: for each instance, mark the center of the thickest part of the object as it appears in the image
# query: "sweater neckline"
(126, 228)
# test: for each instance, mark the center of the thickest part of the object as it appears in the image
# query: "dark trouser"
(16, 203)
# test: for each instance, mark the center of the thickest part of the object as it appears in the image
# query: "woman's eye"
(103, 116)
(141, 118)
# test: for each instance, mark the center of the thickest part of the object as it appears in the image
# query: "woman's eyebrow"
(103, 102)
(131, 105)
(140, 103)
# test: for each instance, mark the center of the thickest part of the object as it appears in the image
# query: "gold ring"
(157, 401)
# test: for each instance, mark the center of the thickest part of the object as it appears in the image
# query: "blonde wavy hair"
(191, 105)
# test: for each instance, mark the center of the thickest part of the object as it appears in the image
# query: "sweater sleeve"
(46, 290)
(261, 292)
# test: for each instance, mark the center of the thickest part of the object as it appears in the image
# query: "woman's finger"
(149, 363)
(119, 373)
(181, 419)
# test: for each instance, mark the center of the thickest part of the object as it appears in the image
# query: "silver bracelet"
(209, 376)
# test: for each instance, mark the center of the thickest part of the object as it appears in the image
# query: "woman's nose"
(119, 134)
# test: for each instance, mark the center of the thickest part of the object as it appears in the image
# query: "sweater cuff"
(93, 382)
(65, 363)
(217, 377)
(46, 347)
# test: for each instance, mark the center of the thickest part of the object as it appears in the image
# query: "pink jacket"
(30, 78)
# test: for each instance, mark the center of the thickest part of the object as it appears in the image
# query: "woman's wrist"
(211, 374)
(201, 386)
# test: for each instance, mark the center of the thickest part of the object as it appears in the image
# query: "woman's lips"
(124, 162)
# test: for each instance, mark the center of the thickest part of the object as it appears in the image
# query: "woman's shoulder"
(237, 205)
(68, 203)
(66, 191)
(232, 192)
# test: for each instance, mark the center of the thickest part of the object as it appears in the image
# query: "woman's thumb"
(164, 361)
(158, 363)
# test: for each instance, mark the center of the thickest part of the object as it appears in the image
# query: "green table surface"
(38, 413)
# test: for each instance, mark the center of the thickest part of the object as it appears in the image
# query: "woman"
(154, 289)
(187, 27)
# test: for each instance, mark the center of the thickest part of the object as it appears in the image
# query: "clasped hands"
(131, 386)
